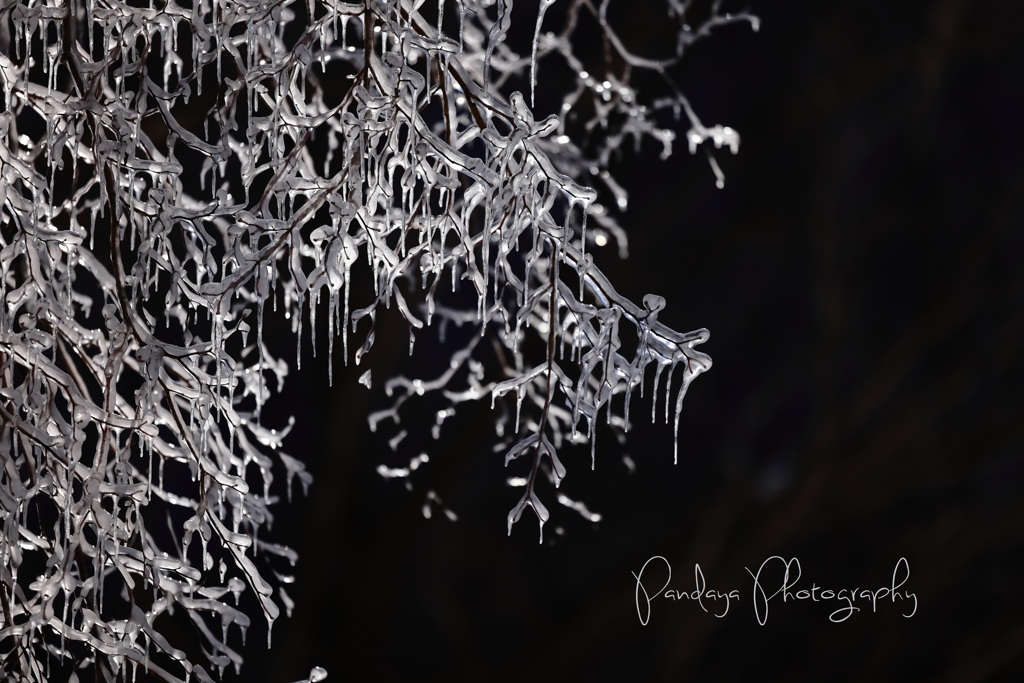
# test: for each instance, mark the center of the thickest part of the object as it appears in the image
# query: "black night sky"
(860, 275)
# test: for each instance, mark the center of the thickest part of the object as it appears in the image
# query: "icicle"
(314, 302)
(536, 39)
(654, 391)
(298, 329)
(520, 395)
(330, 336)
(679, 410)
(668, 389)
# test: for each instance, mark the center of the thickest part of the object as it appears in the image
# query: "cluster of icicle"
(169, 172)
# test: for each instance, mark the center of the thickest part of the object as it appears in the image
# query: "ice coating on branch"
(522, 295)
(370, 159)
(132, 380)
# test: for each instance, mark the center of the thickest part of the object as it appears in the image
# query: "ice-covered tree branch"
(170, 175)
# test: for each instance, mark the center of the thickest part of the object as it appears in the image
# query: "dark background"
(860, 274)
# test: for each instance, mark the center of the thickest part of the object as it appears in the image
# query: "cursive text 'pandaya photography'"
(775, 581)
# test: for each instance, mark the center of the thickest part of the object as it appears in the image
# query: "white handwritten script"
(776, 580)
